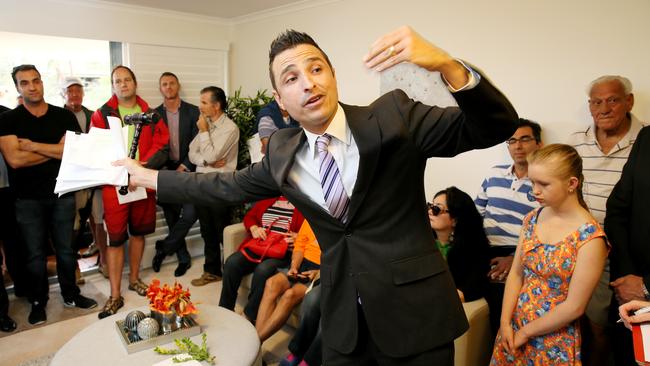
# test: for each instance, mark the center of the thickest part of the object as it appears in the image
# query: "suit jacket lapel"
(365, 129)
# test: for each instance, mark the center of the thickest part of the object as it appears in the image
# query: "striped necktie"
(330, 179)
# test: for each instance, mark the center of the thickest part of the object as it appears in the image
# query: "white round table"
(231, 339)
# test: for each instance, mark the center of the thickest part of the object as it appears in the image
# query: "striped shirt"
(602, 171)
(503, 201)
(279, 215)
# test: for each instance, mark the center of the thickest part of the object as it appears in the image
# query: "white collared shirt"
(305, 173)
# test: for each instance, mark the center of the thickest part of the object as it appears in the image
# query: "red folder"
(641, 332)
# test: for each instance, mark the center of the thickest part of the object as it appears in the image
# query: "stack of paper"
(87, 158)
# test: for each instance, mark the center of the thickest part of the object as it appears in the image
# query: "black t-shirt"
(37, 181)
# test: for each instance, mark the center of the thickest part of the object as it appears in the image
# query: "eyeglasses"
(523, 139)
(436, 210)
(611, 101)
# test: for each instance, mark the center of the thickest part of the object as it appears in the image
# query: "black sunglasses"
(436, 210)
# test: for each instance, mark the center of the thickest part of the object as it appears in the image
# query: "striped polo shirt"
(503, 201)
(602, 171)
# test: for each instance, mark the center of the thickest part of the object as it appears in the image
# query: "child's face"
(548, 188)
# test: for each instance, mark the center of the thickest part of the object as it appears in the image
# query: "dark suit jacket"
(385, 252)
(627, 222)
(189, 114)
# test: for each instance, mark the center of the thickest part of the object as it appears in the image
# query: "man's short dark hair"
(217, 95)
(23, 67)
(125, 68)
(537, 129)
(287, 40)
(167, 73)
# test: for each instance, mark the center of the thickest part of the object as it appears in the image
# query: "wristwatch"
(646, 293)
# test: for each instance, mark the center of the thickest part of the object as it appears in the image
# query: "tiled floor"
(30, 344)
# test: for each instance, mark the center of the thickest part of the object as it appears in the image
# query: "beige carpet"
(19, 308)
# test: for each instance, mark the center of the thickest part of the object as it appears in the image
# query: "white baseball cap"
(71, 80)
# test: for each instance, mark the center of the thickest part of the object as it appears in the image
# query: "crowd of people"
(554, 240)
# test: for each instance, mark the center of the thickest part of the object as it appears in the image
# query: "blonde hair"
(565, 161)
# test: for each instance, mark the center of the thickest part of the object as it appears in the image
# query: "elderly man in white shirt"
(214, 149)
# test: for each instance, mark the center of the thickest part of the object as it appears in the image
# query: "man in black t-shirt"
(31, 141)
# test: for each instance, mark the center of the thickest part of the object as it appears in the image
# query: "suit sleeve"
(252, 183)
(484, 117)
(617, 217)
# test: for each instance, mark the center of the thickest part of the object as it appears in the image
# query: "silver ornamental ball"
(132, 320)
(148, 328)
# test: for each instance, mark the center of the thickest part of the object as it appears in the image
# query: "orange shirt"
(306, 242)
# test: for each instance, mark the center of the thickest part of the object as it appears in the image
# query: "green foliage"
(185, 345)
(242, 111)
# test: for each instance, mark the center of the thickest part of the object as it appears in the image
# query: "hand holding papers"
(87, 158)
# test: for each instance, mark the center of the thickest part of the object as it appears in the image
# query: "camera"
(141, 118)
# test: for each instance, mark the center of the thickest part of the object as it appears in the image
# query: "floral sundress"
(547, 270)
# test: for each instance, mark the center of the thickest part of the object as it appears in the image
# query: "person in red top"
(282, 217)
(139, 217)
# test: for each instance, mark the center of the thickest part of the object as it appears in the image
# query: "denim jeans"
(36, 219)
(180, 219)
(306, 344)
(235, 268)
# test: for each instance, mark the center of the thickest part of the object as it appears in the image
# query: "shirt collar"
(338, 129)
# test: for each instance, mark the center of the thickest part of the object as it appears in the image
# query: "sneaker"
(289, 360)
(7, 324)
(181, 269)
(139, 287)
(111, 307)
(80, 302)
(37, 315)
(92, 250)
(205, 278)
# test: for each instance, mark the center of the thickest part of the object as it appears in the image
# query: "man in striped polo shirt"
(604, 147)
(503, 201)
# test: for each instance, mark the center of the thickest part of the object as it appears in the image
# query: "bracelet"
(646, 293)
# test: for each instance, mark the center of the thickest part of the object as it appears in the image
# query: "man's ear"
(278, 99)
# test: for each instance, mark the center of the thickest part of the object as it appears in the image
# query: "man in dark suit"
(626, 225)
(180, 118)
(387, 295)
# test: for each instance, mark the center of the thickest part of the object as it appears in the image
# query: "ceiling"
(226, 9)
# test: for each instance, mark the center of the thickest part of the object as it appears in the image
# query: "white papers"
(255, 148)
(87, 158)
(137, 195)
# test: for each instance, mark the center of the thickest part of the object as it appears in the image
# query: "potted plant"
(243, 111)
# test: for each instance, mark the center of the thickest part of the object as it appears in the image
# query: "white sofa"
(471, 349)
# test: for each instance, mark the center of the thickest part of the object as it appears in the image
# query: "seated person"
(306, 347)
(270, 119)
(458, 229)
(256, 221)
(284, 291)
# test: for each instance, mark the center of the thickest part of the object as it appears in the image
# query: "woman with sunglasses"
(460, 238)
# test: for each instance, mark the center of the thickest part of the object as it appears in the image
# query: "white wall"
(541, 54)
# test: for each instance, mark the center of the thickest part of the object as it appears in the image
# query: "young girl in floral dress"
(558, 262)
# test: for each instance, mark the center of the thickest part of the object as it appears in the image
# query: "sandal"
(139, 287)
(111, 307)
